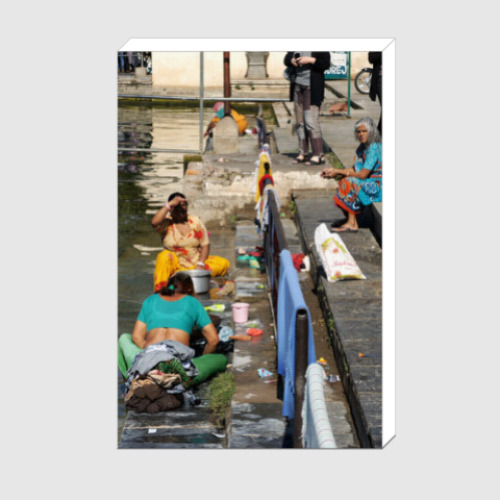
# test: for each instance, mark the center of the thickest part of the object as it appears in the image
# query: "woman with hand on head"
(361, 184)
(186, 242)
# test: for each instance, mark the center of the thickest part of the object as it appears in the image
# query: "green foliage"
(292, 207)
(220, 393)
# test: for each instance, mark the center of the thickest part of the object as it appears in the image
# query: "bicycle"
(363, 80)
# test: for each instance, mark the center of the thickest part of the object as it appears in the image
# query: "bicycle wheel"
(363, 80)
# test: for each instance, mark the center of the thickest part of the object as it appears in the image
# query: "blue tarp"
(290, 301)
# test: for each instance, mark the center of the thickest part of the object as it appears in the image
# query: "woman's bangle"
(168, 206)
(201, 264)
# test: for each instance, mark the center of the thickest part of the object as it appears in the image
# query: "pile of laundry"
(149, 393)
(161, 378)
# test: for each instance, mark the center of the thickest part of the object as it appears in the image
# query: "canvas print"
(250, 191)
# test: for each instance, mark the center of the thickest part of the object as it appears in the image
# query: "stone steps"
(352, 311)
(180, 428)
(256, 420)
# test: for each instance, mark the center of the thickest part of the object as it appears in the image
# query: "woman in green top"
(171, 314)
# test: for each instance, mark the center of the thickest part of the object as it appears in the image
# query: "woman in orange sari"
(186, 242)
(240, 120)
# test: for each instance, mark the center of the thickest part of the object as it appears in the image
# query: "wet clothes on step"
(154, 354)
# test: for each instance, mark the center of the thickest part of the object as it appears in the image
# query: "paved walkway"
(353, 313)
(352, 309)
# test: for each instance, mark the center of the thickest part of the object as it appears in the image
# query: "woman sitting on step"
(240, 120)
(186, 241)
(159, 348)
(172, 314)
(361, 184)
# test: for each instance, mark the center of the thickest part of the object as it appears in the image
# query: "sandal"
(321, 161)
(299, 160)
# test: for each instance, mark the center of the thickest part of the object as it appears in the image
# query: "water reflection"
(144, 181)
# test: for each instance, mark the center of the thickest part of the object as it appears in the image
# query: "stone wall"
(181, 70)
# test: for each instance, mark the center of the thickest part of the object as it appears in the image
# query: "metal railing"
(317, 431)
(274, 242)
(201, 99)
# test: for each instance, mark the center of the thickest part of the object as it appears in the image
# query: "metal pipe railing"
(158, 150)
(301, 352)
(201, 98)
(202, 86)
(274, 242)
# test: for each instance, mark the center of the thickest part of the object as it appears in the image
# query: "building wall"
(174, 70)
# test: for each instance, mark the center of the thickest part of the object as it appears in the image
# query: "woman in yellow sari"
(240, 120)
(186, 242)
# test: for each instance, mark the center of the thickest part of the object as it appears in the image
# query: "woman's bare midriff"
(159, 334)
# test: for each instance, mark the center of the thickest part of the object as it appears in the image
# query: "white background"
(58, 209)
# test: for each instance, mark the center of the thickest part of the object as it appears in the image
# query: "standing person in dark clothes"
(307, 91)
(375, 58)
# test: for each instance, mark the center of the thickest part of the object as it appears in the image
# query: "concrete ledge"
(353, 315)
(376, 210)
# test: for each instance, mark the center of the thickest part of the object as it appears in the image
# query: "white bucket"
(240, 312)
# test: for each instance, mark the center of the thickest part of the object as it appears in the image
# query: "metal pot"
(201, 279)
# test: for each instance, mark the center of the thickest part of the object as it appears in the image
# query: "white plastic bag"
(337, 261)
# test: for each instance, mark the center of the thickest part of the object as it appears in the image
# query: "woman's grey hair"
(373, 133)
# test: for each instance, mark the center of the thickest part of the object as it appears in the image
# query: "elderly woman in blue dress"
(361, 184)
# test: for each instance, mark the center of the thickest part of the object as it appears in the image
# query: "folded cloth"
(227, 289)
(163, 403)
(161, 352)
(297, 259)
(146, 395)
(225, 333)
(153, 354)
(262, 207)
(144, 387)
(165, 380)
(215, 308)
(195, 371)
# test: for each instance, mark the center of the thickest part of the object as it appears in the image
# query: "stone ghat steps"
(180, 428)
(256, 411)
(256, 420)
(352, 311)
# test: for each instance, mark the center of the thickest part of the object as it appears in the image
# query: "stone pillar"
(257, 62)
(226, 136)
